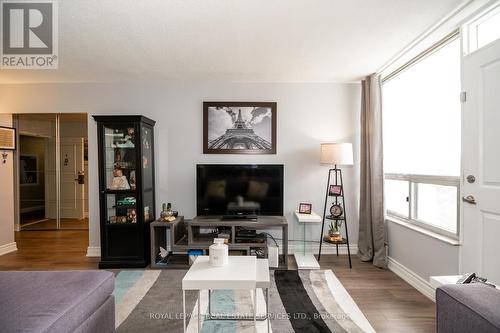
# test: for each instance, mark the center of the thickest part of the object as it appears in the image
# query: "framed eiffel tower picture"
(239, 128)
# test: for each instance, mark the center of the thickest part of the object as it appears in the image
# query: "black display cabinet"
(126, 189)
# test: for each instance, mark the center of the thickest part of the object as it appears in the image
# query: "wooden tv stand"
(195, 241)
(179, 243)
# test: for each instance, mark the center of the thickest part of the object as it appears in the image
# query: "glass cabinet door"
(121, 209)
(120, 156)
(147, 172)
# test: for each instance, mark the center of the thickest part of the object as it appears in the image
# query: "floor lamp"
(334, 154)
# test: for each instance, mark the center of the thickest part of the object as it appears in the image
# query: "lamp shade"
(336, 154)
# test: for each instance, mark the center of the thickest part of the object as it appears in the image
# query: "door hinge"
(463, 96)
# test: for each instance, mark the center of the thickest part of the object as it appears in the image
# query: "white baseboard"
(8, 248)
(412, 278)
(93, 251)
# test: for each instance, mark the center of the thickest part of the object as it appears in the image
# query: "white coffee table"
(241, 272)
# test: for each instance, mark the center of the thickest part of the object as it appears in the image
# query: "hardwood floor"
(50, 224)
(49, 250)
(389, 303)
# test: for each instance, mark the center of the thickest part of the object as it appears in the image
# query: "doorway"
(52, 171)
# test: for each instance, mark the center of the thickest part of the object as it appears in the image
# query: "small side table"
(241, 272)
(159, 238)
(303, 259)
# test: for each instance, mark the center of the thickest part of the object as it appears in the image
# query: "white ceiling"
(231, 40)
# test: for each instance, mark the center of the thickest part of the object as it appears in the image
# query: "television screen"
(232, 189)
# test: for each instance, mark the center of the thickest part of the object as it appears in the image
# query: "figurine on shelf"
(119, 180)
(127, 201)
(131, 133)
(118, 156)
(163, 253)
(121, 219)
(167, 215)
(127, 141)
(131, 216)
(132, 179)
(145, 142)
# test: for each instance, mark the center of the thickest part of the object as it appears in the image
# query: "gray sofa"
(57, 301)
(467, 308)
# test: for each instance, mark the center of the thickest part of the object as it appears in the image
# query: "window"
(422, 138)
(484, 29)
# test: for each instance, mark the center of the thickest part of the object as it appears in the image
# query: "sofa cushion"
(470, 307)
(51, 301)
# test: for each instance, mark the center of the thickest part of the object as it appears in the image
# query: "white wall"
(308, 113)
(7, 242)
(422, 254)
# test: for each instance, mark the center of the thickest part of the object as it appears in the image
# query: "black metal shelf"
(339, 200)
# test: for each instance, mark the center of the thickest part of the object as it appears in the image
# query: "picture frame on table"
(305, 208)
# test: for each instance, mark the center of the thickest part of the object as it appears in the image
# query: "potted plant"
(334, 231)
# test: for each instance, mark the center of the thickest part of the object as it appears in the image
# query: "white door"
(72, 192)
(480, 250)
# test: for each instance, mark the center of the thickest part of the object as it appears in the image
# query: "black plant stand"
(341, 198)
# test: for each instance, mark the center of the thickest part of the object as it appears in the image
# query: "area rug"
(300, 301)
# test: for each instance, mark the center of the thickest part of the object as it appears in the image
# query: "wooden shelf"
(326, 239)
(178, 242)
(329, 217)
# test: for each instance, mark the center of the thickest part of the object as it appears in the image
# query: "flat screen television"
(239, 190)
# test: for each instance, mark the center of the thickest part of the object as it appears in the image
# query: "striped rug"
(300, 301)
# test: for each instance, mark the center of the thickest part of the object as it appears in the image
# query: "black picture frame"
(335, 190)
(223, 145)
(305, 208)
(5, 132)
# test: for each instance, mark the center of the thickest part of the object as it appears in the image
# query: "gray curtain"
(371, 243)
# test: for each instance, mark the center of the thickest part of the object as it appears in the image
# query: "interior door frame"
(16, 156)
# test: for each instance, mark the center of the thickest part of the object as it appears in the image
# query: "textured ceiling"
(231, 40)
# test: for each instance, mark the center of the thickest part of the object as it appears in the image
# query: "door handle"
(469, 199)
(80, 179)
